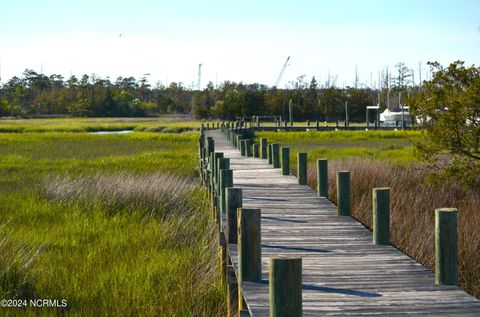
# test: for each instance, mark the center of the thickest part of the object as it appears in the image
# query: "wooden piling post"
(276, 155)
(226, 180)
(249, 250)
(243, 147)
(343, 193)
(322, 178)
(222, 164)
(215, 208)
(270, 153)
(233, 197)
(223, 257)
(302, 168)
(255, 147)
(216, 156)
(200, 154)
(233, 201)
(263, 148)
(210, 175)
(381, 216)
(200, 146)
(446, 246)
(232, 292)
(248, 147)
(210, 146)
(238, 140)
(285, 287)
(285, 160)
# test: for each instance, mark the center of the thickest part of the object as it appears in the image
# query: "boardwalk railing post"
(381, 216)
(302, 168)
(210, 146)
(232, 292)
(285, 289)
(322, 178)
(216, 156)
(233, 201)
(343, 194)
(270, 153)
(238, 139)
(200, 147)
(226, 180)
(285, 160)
(204, 166)
(263, 148)
(223, 257)
(222, 164)
(255, 147)
(243, 147)
(249, 250)
(233, 197)
(446, 246)
(276, 155)
(209, 174)
(248, 147)
(200, 155)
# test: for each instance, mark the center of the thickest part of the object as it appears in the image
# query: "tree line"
(449, 104)
(38, 94)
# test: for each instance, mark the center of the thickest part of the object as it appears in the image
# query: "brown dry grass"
(413, 202)
(159, 194)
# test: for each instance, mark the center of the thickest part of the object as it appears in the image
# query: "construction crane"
(281, 72)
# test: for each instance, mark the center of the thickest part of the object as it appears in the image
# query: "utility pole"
(420, 73)
(346, 113)
(355, 84)
(403, 112)
(346, 106)
(290, 112)
(377, 121)
(199, 75)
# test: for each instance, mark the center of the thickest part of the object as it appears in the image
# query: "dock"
(342, 272)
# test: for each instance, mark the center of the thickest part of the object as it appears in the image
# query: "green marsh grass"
(115, 224)
(384, 145)
(153, 124)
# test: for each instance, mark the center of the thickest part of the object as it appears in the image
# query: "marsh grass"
(158, 194)
(384, 145)
(115, 224)
(16, 257)
(157, 124)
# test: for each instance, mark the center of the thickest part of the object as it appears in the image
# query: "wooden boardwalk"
(343, 273)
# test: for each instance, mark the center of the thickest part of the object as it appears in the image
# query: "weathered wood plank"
(343, 272)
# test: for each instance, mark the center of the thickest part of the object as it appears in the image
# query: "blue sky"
(235, 40)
